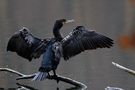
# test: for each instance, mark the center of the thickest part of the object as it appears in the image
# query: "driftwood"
(51, 77)
(132, 72)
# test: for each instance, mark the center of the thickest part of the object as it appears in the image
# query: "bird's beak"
(69, 21)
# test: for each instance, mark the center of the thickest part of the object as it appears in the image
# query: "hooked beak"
(69, 21)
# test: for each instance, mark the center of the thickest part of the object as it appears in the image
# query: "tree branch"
(51, 77)
(11, 71)
(132, 72)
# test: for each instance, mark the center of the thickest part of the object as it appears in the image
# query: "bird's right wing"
(26, 45)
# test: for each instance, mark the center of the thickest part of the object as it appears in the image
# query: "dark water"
(92, 68)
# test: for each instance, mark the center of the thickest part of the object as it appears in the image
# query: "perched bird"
(79, 40)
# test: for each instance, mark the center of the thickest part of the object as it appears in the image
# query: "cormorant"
(80, 39)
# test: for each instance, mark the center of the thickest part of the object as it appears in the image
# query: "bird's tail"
(40, 76)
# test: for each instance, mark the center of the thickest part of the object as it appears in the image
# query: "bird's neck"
(57, 34)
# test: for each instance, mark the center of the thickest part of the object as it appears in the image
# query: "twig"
(11, 71)
(18, 73)
(51, 77)
(132, 72)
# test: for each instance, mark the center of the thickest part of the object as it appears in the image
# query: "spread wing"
(26, 45)
(81, 39)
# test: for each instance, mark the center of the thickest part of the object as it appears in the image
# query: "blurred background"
(113, 18)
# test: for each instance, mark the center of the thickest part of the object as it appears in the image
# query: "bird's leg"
(49, 74)
(55, 75)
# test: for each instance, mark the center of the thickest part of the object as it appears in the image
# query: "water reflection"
(20, 87)
(76, 88)
(27, 87)
(24, 87)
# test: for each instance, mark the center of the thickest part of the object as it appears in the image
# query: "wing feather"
(81, 39)
(26, 45)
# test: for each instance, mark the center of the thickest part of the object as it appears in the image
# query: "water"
(92, 68)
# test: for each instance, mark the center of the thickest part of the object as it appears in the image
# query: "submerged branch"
(132, 72)
(51, 77)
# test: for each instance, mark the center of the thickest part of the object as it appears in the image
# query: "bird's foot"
(55, 76)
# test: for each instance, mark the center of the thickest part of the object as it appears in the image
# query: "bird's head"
(59, 23)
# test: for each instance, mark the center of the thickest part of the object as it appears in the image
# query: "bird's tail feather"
(40, 76)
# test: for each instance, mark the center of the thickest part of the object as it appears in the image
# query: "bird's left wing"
(81, 39)
(26, 45)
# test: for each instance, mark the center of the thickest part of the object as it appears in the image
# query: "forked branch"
(51, 77)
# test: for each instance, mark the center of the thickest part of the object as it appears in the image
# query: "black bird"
(79, 40)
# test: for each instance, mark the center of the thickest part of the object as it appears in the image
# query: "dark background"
(93, 68)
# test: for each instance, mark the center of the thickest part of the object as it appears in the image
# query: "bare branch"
(51, 77)
(11, 71)
(68, 80)
(132, 72)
